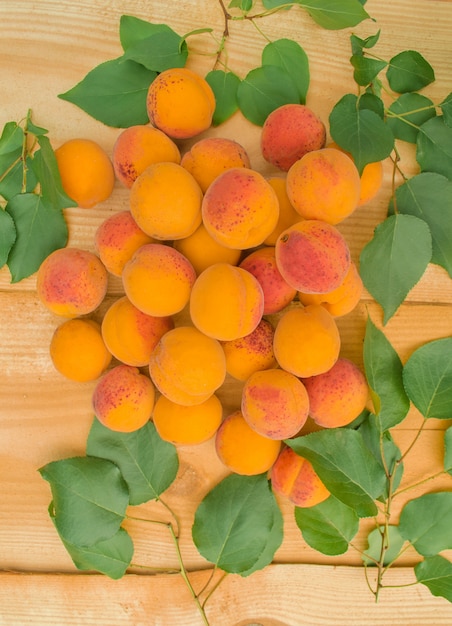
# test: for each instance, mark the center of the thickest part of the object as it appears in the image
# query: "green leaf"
(428, 196)
(435, 572)
(334, 15)
(224, 86)
(13, 181)
(446, 109)
(401, 249)
(40, 229)
(427, 522)
(366, 69)
(263, 90)
(148, 464)
(409, 71)
(375, 540)
(7, 236)
(11, 142)
(345, 465)
(234, 522)
(132, 30)
(160, 51)
(243, 5)
(358, 45)
(111, 557)
(360, 130)
(434, 147)
(290, 56)
(448, 450)
(407, 113)
(427, 377)
(114, 93)
(90, 498)
(328, 527)
(384, 371)
(45, 168)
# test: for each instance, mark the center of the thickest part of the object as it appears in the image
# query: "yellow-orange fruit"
(306, 341)
(123, 399)
(139, 146)
(180, 102)
(158, 279)
(211, 156)
(187, 366)
(117, 238)
(240, 208)
(130, 334)
(202, 250)
(226, 302)
(86, 171)
(287, 214)
(71, 282)
(187, 425)
(294, 477)
(251, 353)
(241, 449)
(165, 201)
(324, 185)
(338, 395)
(275, 403)
(78, 351)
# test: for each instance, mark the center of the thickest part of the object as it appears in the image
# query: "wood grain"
(46, 47)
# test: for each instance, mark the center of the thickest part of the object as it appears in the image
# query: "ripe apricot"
(78, 351)
(211, 156)
(262, 265)
(139, 146)
(187, 366)
(165, 201)
(243, 450)
(306, 341)
(130, 334)
(312, 256)
(71, 282)
(324, 185)
(289, 132)
(275, 403)
(117, 238)
(187, 425)
(123, 399)
(180, 102)
(287, 214)
(293, 477)
(202, 250)
(338, 395)
(251, 353)
(226, 302)
(86, 171)
(158, 279)
(240, 208)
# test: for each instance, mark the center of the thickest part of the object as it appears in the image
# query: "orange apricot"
(287, 214)
(251, 353)
(202, 250)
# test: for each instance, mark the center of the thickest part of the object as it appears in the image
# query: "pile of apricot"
(255, 266)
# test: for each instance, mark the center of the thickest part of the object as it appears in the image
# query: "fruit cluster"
(256, 263)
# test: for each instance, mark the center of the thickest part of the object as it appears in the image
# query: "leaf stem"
(420, 482)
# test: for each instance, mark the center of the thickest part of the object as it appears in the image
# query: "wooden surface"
(45, 48)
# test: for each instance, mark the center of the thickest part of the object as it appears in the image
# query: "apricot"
(187, 425)
(289, 132)
(139, 146)
(341, 300)
(277, 292)
(117, 238)
(211, 156)
(243, 450)
(165, 201)
(275, 403)
(338, 395)
(287, 214)
(186, 366)
(306, 341)
(78, 351)
(71, 282)
(158, 279)
(251, 353)
(131, 335)
(226, 302)
(293, 477)
(324, 185)
(203, 251)
(123, 399)
(180, 102)
(240, 208)
(86, 171)
(312, 256)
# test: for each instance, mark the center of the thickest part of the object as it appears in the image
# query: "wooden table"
(45, 48)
